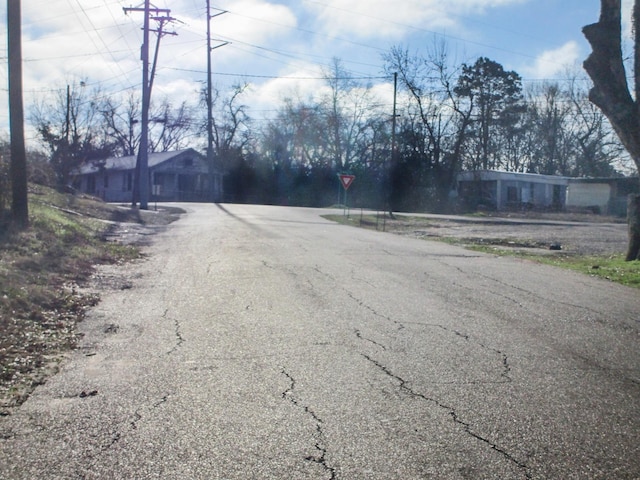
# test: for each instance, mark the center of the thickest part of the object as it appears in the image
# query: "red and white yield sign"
(346, 180)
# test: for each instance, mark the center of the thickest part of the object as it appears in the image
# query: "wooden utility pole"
(143, 181)
(393, 145)
(210, 162)
(142, 163)
(18, 167)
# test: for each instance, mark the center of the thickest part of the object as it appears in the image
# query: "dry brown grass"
(41, 269)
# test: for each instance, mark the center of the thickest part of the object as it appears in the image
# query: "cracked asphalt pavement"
(261, 342)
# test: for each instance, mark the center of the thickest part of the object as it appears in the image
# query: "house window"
(91, 184)
(188, 162)
(512, 194)
(127, 182)
(106, 180)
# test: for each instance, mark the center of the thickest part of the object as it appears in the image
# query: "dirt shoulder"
(43, 272)
(590, 236)
(548, 233)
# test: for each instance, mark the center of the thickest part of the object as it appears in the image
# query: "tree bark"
(611, 93)
(610, 90)
(633, 218)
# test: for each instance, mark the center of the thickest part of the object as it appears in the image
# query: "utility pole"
(161, 15)
(210, 100)
(393, 142)
(67, 120)
(18, 166)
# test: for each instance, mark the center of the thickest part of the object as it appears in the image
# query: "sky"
(280, 47)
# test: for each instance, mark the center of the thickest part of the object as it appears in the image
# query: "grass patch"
(378, 221)
(41, 269)
(613, 268)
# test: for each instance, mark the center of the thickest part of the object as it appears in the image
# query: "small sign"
(346, 180)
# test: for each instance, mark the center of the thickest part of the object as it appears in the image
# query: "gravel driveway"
(591, 236)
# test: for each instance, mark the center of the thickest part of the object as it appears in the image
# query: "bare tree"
(548, 117)
(230, 125)
(436, 123)
(121, 121)
(69, 126)
(345, 110)
(173, 126)
(595, 145)
(612, 95)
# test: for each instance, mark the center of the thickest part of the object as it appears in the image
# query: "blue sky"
(282, 46)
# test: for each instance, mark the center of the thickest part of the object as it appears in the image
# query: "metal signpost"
(346, 181)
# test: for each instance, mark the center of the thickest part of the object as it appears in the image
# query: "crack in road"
(362, 304)
(133, 424)
(530, 293)
(136, 418)
(486, 277)
(320, 458)
(505, 360)
(161, 401)
(114, 439)
(177, 330)
(506, 368)
(452, 413)
(593, 316)
(359, 335)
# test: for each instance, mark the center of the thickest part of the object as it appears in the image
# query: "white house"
(504, 190)
(512, 190)
(604, 195)
(179, 176)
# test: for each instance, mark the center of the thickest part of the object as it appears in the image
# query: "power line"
(108, 50)
(226, 74)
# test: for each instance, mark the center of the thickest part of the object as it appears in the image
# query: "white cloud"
(302, 84)
(551, 62)
(384, 18)
(70, 40)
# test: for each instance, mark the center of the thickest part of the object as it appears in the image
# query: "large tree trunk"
(611, 93)
(633, 217)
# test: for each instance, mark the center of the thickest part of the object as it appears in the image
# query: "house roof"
(129, 162)
(487, 175)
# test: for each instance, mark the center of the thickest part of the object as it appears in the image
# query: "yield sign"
(346, 180)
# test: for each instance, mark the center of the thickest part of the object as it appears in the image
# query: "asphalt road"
(268, 343)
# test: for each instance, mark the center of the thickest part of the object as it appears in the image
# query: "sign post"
(346, 181)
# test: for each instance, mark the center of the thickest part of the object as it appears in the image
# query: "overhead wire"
(272, 54)
(96, 31)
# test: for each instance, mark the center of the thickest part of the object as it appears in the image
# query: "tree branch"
(605, 66)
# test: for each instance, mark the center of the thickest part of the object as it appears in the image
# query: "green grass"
(613, 267)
